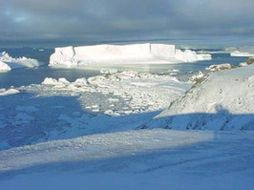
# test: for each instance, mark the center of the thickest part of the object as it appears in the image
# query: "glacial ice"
(7, 63)
(122, 54)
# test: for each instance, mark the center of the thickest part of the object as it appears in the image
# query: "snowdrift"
(123, 54)
(223, 101)
(7, 63)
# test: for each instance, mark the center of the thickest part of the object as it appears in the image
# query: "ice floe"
(5, 92)
(122, 54)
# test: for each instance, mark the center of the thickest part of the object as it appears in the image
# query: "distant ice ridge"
(241, 54)
(7, 63)
(123, 54)
(247, 51)
(224, 100)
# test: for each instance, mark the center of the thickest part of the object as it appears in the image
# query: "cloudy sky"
(106, 20)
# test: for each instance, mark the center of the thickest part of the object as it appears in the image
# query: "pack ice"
(7, 63)
(123, 54)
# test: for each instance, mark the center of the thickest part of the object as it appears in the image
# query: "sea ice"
(5, 92)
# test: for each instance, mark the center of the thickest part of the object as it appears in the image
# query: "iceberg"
(4, 67)
(122, 54)
(7, 63)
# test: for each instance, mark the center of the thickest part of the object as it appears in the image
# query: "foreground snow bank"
(93, 147)
(123, 54)
(136, 159)
(224, 101)
(8, 63)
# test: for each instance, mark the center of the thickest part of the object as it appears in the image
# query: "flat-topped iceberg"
(8, 63)
(123, 54)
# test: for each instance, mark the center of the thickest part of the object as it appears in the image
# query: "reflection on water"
(21, 77)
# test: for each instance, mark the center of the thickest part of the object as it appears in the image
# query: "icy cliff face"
(224, 101)
(8, 63)
(123, 54)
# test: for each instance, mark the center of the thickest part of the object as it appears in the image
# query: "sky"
(26, 21)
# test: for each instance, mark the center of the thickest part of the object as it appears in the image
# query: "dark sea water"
(28, 76)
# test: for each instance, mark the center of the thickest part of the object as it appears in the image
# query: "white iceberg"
(122, 54)
(4, 67)
(8, 63)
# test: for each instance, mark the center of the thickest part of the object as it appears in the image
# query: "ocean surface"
(20, 77)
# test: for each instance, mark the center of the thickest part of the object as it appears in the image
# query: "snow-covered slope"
(8, 63)
(225, 100)
(137, 159)
(123, 54)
